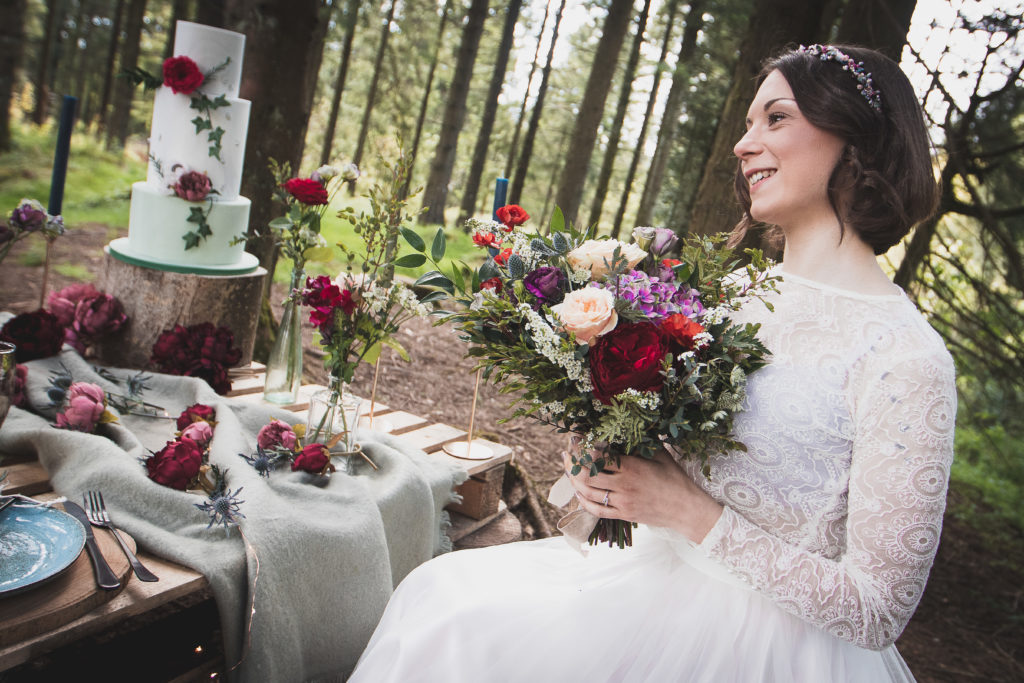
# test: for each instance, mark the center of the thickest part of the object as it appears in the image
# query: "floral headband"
(864, 83)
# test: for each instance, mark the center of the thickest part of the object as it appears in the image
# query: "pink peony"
(277, 434)
(98, 317)
(200, 432)
(86, 403)
(62, 304)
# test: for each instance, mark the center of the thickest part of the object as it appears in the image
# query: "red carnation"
(502, 257)
(182, 75)
(175, 465)
(486, 239)
(512, 215)
(628, 357)
(306, 190)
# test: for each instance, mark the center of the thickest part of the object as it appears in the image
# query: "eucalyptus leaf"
(410, 261)
(438, 247)
(414, 239)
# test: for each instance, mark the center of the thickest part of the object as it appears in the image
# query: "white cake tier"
(173, 140)
(209, 47)
(158, 223)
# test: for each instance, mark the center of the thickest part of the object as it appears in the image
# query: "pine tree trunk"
(634, 163)
(123, 91)
(436, 193)
(371, 95)
(879, 24)
(12, 36)
(213, 12)
(516, 189)
(670, 117)
(179, 11)
(522, 107)
(276, 34)
(615, 134)
(108, 70)
(422, 116)
(584, 134)
(772, 23)
(45, 61)
(351, 15)
(483, 138)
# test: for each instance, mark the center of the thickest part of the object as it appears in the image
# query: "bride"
(803, 558)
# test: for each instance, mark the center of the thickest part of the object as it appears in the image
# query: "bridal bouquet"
(616, 343)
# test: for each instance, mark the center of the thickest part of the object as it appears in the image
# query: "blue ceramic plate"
(36, 544)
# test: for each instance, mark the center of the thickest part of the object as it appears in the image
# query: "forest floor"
(970, 623)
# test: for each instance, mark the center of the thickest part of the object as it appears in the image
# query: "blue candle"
(60, 156)
(500, 193)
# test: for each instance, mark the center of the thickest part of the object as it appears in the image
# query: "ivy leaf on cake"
(195, 186)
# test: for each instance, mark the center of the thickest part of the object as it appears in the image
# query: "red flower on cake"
(307, 191)
(182, 75)
(193, 186)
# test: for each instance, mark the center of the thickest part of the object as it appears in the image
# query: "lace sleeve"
(902, 451)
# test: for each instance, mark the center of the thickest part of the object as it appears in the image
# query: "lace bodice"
(834, 511)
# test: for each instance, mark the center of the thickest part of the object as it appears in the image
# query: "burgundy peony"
(628, 357)
(175, 465)
(323, 296)
(86, 403)
(98, 317)
(37, 335)
(314, 458)
(548, 284)
(62, 304)
(193, 186)
(182, 75)
(211, 372)
(277, 434)
(512, 215)
(202, 351)
(306, 191)
(681, 330)
(197, 412)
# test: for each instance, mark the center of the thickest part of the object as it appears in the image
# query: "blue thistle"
(223, 508)
(264, 461)
(60, 383)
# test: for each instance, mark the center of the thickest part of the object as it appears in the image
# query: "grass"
(989, 469)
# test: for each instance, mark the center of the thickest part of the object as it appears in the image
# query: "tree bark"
(45, 62)
(12, 36)
(522, 107)
(483, 138)
(179, 10)
(371, 95)
(670, 117)
(772, 23)
(124, 90)
(213, 13)
(351, 15)
(436, 193)
(584, 134)
(108, 71)
(634, 163)
(516, 191)
(615, 134)
(879, 24)
(422, 116)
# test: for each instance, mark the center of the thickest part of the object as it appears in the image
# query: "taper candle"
(60, 155)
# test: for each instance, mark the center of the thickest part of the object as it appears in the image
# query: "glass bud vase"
(284, 366)
(8, 372)
(333, 416)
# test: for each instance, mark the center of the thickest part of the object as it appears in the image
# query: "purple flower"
(665, 240)
(649, 295)
(29, 216)
(547, 283)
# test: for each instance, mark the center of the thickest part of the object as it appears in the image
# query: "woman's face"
(786, 160)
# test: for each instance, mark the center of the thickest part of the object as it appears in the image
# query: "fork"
(96, 511)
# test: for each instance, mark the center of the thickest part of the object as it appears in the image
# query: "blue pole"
(500, 193)
(60, 156)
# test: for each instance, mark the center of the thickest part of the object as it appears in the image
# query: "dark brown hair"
(884, 183)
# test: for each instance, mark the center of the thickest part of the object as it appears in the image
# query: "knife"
(105, 578)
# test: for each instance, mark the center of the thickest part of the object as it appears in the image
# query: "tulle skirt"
(540, 611)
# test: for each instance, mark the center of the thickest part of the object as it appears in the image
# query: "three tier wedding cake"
(187, 216)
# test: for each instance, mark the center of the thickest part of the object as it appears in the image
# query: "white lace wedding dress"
(831, 523)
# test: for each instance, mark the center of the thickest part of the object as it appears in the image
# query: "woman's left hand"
(656, 492)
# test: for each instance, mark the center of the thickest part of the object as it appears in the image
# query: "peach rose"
(596, 256)
(588, 313)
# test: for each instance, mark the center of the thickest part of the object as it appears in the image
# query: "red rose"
(176, 464)
(486, 239)
(628, 357)
(37, 335)
(182, 75)
(492, 283)
(502, 258)
(196, 412)
(512, 215)
(306, 190)
(314, 458)
(681, 330)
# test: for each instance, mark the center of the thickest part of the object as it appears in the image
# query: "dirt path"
(970, 625)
